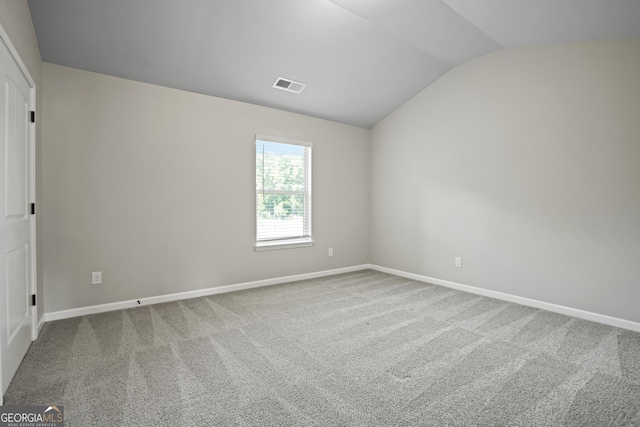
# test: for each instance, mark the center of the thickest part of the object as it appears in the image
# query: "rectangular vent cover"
(289, 85)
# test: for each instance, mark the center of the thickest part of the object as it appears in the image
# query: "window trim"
(269, 245)
(292, 242)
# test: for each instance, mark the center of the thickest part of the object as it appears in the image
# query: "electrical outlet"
(458, 262)
(330, 251)
(96, 277)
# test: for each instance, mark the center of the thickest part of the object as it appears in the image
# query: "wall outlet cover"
(96, 277)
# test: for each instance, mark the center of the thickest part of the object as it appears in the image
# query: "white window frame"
(292, 242)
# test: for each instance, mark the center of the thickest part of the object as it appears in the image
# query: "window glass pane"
(280, 216)
(279, 166)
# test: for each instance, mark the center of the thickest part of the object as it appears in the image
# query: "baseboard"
(94, 309)
(41, 322)
(569, 311)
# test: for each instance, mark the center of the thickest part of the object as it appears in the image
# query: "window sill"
(283, 244)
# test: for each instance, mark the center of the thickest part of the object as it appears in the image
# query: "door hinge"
(33, 299)
(33, 117)
(33, 208)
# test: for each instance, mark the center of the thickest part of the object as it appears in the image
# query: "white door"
(16, 281)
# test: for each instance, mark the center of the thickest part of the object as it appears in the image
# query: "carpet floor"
(356, 349)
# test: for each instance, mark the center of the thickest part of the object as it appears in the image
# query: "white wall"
(15, 18)
(526, 163)
(155, 187)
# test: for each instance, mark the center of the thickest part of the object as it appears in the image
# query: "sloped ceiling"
(360, 59)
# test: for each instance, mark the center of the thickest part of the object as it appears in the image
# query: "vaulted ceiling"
(360, 59)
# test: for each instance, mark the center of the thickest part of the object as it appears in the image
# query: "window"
(283, 193)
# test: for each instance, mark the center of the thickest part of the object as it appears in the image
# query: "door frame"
(31, 149)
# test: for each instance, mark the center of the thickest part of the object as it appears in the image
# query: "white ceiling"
(360, 59)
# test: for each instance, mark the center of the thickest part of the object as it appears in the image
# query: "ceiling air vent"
(289, 85)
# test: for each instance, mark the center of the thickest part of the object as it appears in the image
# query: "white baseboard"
(569, 311)
(83, 311)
